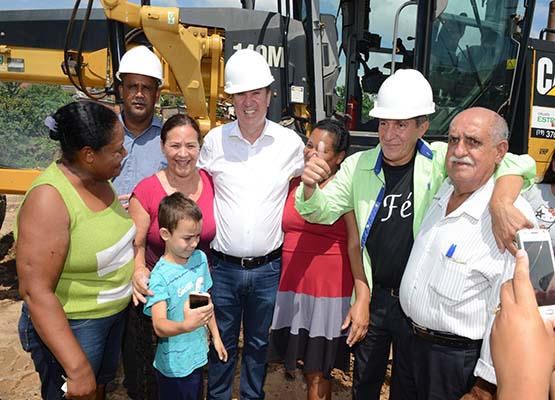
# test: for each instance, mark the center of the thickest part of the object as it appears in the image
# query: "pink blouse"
(150, 192)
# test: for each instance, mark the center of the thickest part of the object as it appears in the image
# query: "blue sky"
(540, 17)
(540, 20)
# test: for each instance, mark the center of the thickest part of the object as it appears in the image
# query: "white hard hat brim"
(120, 77)
(388, 113)
(234, 89)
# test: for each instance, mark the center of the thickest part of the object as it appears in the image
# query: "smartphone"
(198, 299)
(537, 243)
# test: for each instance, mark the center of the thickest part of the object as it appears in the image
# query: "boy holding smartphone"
(182, 345)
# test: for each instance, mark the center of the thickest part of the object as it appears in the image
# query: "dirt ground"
(19, 381)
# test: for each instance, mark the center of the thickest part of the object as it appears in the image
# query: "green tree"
(367, 103)
(340, 106)
(9, 88)
(168, 100)
(24, 140)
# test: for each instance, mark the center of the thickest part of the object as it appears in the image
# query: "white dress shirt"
(251, 182)
(454, 273)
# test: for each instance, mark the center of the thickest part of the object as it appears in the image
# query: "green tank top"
(96, 278)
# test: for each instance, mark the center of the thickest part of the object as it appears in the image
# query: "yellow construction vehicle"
(90, 67)
(83, 47)
(474, 52)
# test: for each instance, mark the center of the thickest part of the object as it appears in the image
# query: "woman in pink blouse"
(180, 140)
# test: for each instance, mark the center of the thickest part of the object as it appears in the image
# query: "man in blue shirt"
(141, 78)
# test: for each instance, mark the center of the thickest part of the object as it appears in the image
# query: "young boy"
(182, 346)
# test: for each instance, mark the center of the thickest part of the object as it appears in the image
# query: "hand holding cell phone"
(197, 311)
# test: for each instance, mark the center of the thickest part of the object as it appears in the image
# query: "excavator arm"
(192, 58)
(40, 46)
(181, 47)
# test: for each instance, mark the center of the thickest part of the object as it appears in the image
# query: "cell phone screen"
(541, 271)
(196, 301)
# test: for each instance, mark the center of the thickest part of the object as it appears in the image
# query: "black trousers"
(439, 372)
(138, 350)
(388, 325)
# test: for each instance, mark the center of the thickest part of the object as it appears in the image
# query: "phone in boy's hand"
(198, 299)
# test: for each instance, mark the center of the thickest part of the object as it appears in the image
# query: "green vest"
(96, 278)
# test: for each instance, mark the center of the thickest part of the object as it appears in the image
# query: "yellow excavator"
(90, 67)
(474, 53)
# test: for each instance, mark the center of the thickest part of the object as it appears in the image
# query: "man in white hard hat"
(450, 288)
(140, 74)
(251, 161)
(390, 188)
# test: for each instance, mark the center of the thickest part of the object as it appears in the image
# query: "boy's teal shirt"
(178, 356)
(358, 183)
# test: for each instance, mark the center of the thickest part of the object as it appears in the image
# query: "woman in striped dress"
(313, 310)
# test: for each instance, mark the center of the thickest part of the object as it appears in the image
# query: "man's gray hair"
(499, 129)
(421, 119)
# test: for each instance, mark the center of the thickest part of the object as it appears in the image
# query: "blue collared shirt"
(144, 157)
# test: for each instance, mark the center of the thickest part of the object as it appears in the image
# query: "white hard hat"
(405, 94)
(140, 60)
(246, 70)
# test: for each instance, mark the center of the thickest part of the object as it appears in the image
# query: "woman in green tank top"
(75, 256)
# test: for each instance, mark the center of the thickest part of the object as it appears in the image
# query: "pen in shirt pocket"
(450, 252)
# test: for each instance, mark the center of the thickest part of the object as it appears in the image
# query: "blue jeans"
(99, 338)
(250, 295)
(185, 388)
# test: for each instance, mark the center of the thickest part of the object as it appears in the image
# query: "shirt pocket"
(449, 280)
